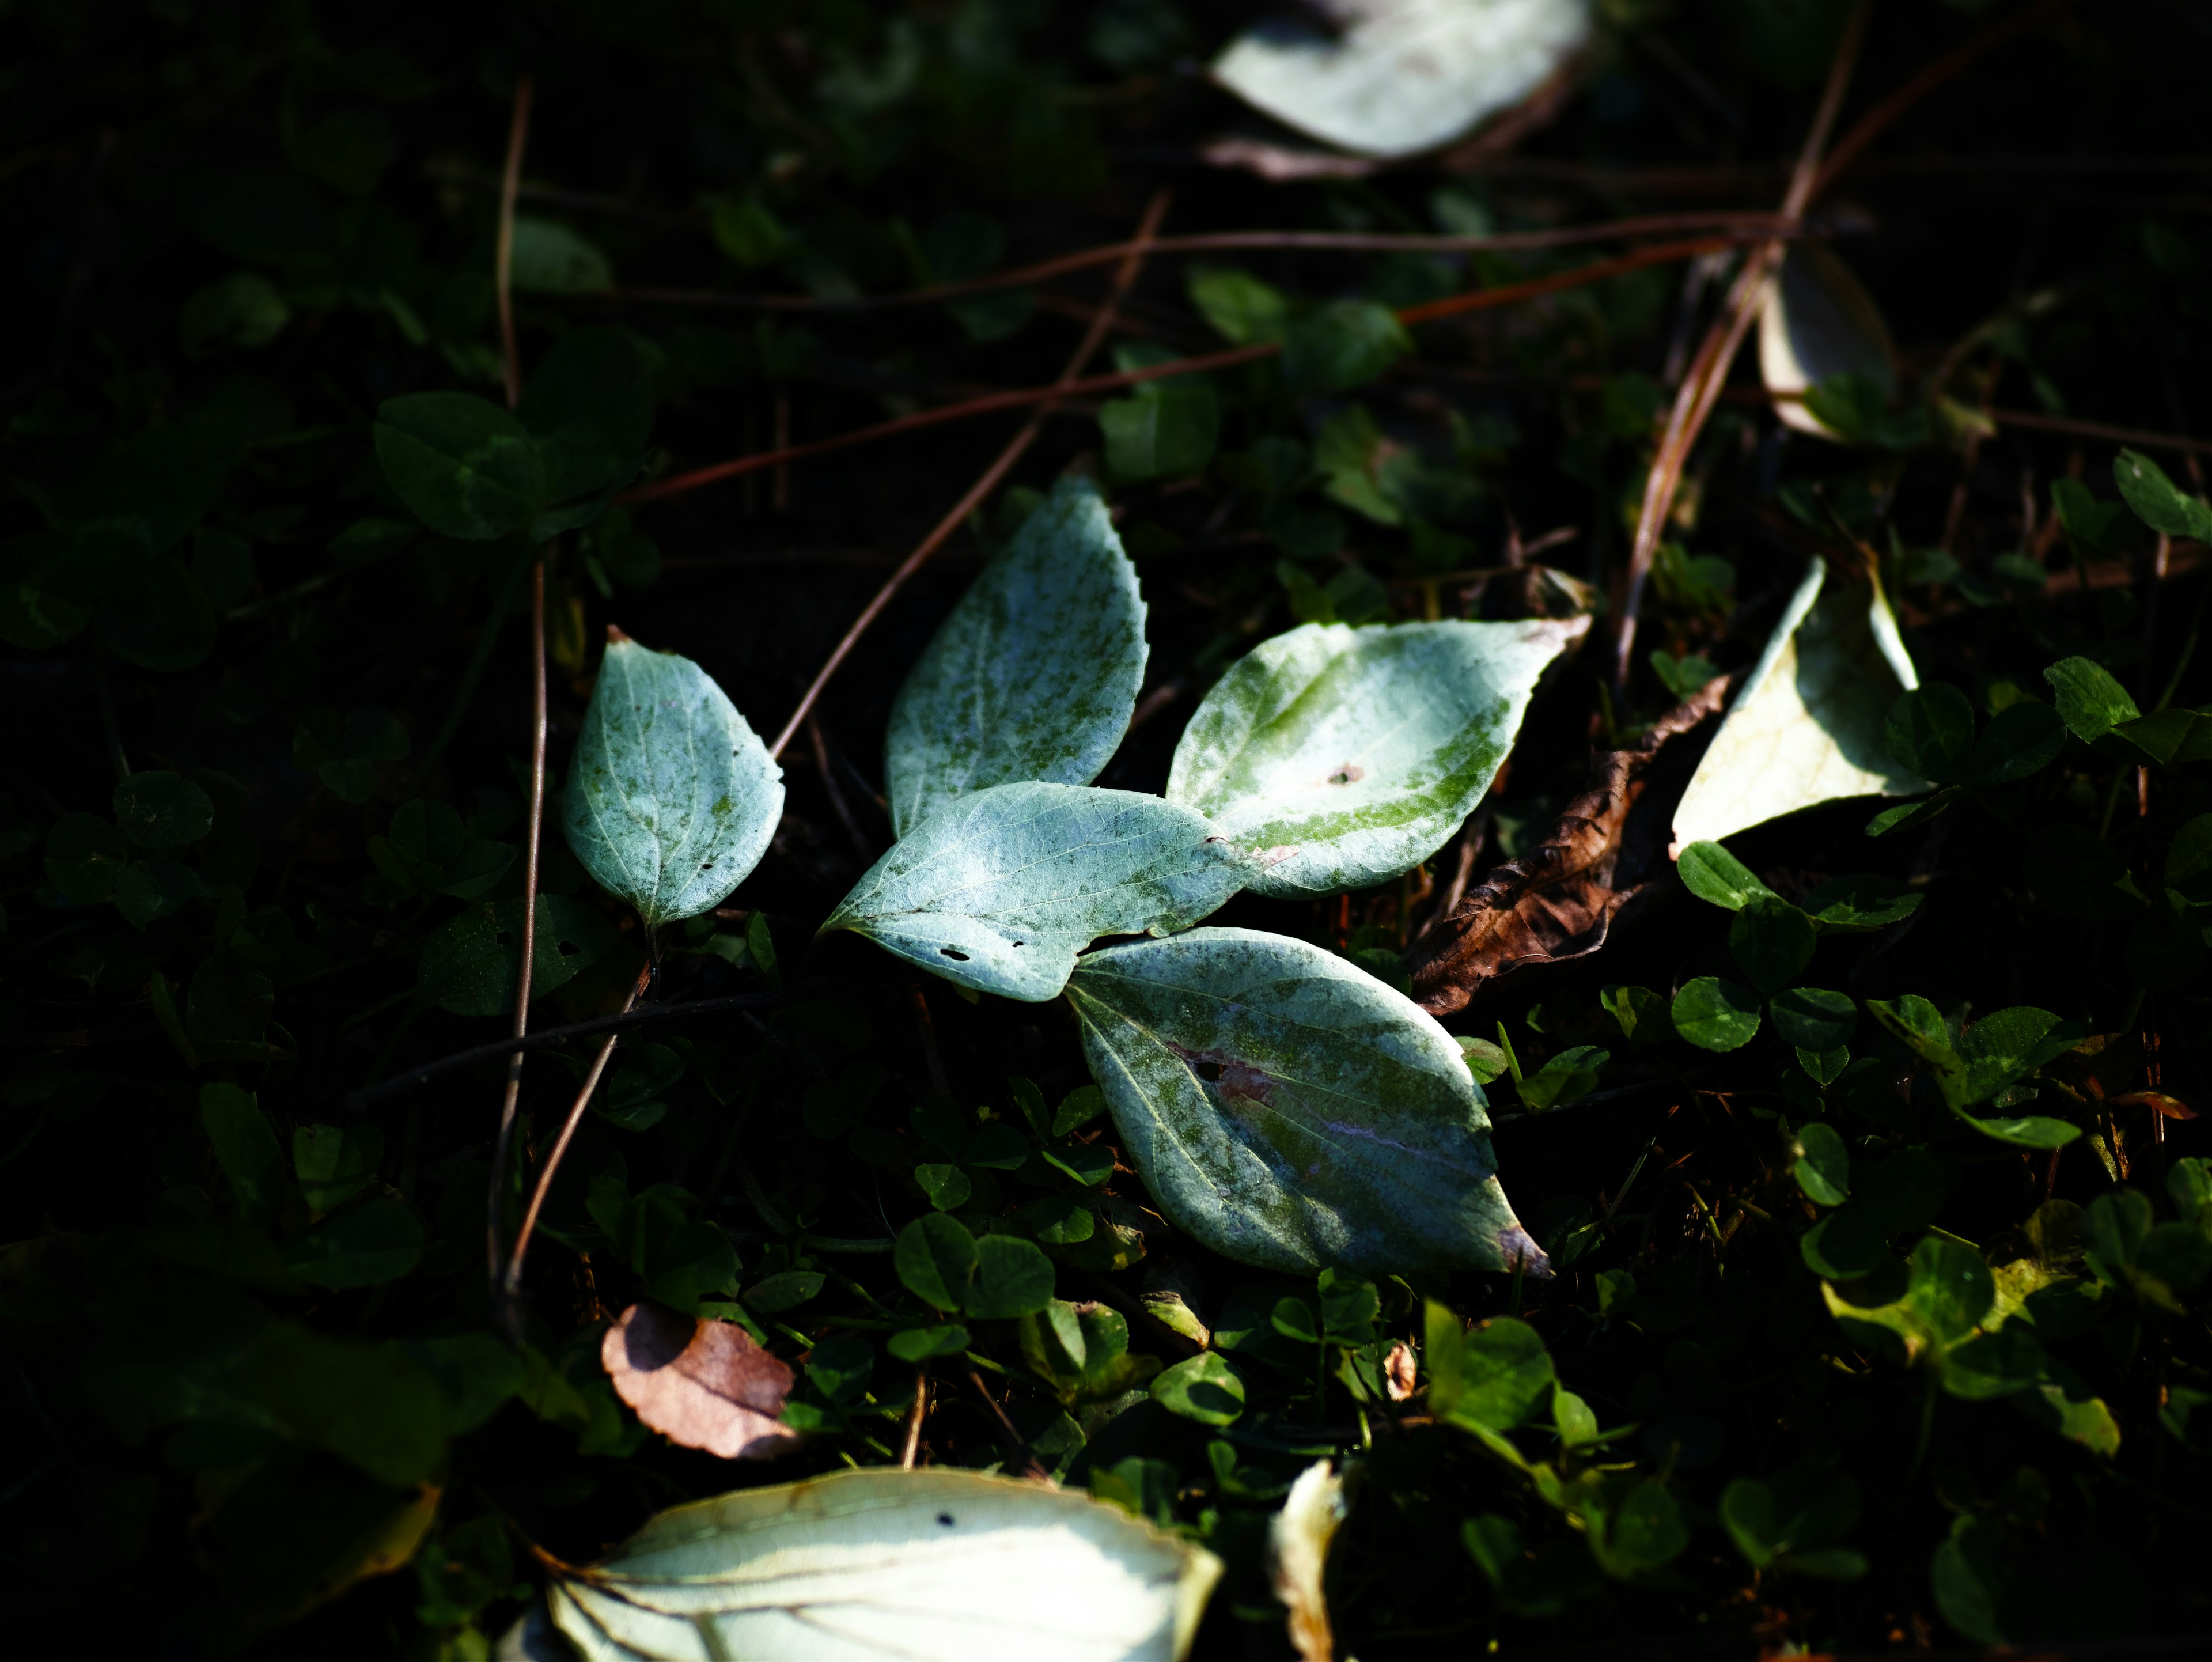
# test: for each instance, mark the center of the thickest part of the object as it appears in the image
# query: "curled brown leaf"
(701, 1384)
(1560, 901)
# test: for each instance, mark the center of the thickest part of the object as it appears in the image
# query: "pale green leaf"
(1001, 889)
(671, 797)
(1343, 757)
(1808, 727)
(1035, 674)
(868, 1566)
(1405, 75)
(1289, 1110)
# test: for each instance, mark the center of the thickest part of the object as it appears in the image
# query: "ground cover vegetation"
(1094, 830)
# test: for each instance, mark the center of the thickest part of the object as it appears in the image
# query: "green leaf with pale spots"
(671, 797)
(1343, 757)
(1035, 674)
(1000, 890)
(1289, 1110)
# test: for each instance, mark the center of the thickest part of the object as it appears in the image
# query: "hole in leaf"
(706, 866)
(961, 958)
(1347, 774)
(567, 948)
(1018, 943)
(1209, 1071)
(945, 1518)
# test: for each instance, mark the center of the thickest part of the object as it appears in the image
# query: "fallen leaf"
(1298, 1544)
(1561, 900)
(1403, 76)
(1817, 321)
(917, 1566)
(1400, 1375)
(1808, 726)
(700, 1383)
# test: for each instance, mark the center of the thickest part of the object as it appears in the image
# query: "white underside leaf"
(1405, 75)
(1343, 757)
(1289, 1110)
(883, 1565)
(1033, 675)
(1807, 727)
(1000, 890)
(671, 797)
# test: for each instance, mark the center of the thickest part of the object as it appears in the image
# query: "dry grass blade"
(1560, 901)
(703, 1384)
(517, 139)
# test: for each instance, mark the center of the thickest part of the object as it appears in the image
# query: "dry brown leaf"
(702, 1384)
(1560, 901)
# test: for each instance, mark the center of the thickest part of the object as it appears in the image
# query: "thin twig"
(913, 1419)
(1020, 397)
(1567, 236)
(1093, 337)
(2144, 438)
(510, 184)
(820, 742)
(518, 136)
(1884, 115)
(552, 1038)
(1709, 369)
(1018, 1452)
(511, 1283)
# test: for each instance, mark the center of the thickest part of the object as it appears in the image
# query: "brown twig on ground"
(914, 1416)
(1020, 397)
(518, 136)
(1019, 1453)
(1566, 236)
(511, 1282)
(861, 846)
(548, 1038)
(1560, 901)
(1093, 337)
(1708, 369)
(510, 185)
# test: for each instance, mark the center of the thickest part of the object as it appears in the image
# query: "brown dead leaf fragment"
(701, 1384)
(1561, 900)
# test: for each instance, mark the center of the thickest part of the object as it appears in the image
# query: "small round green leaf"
(1772, 942)
(1013, 1278)
(935, 1257)
(468, 469)
(1845, 1246)
(917, 1344)
(1816, 1018)
(1205, 1389)
(1711, 872)
(470, 963)
(1824, 1164)
(159, 810)
(84, 857)
(1715, 1014)
(1930, 730)
(1950, 1287)
(947, 1186)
